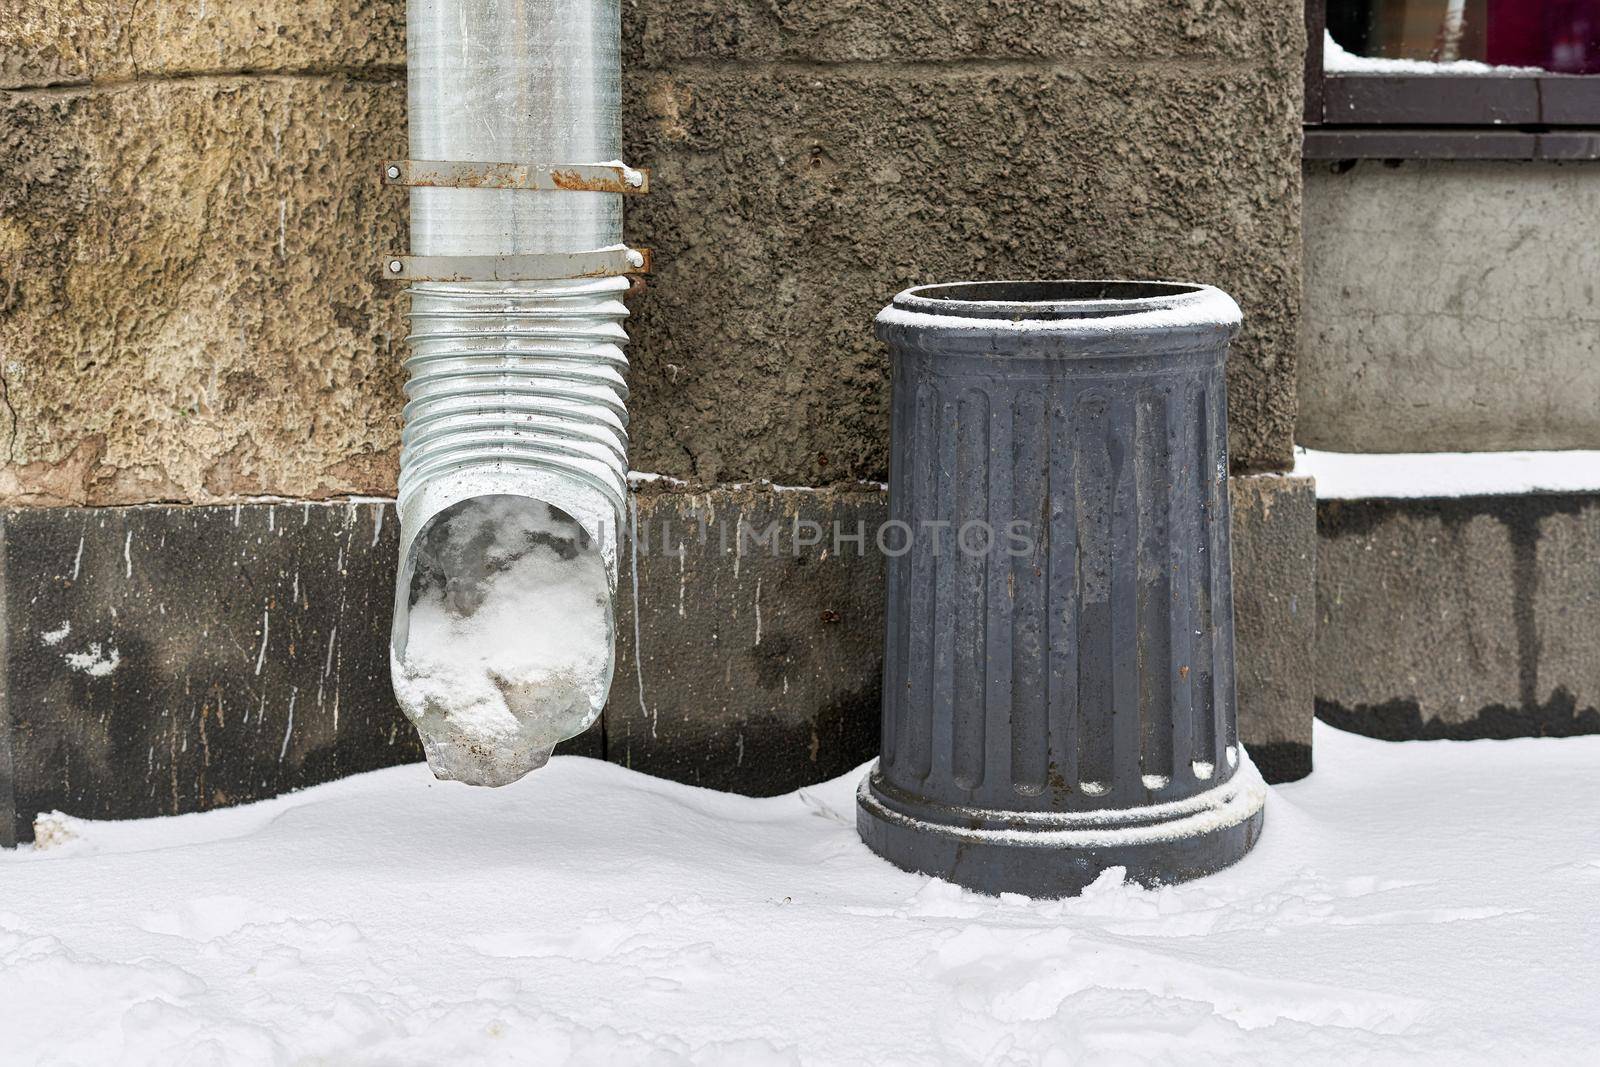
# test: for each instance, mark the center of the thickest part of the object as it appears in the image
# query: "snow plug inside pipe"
(513, 462)
(509, 630)
(508, 639)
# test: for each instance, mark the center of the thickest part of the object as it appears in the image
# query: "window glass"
(1560, 36)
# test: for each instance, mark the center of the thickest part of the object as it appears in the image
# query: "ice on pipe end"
(493, 744)
(461, 759)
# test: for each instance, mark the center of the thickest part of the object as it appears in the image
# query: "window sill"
(1399, 142)
(1459, 100)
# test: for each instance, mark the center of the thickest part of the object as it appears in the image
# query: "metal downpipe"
(513, 466)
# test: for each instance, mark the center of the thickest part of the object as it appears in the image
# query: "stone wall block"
(837, 31)
(750, 651)
(1492, 341)
(70, 42)
(190, 300)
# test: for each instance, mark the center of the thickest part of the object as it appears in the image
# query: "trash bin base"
(1057, 854)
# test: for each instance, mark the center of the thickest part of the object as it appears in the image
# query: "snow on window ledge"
(1335, 60)
(1367, 476)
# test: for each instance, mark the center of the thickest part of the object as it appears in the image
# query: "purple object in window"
(1561, 36)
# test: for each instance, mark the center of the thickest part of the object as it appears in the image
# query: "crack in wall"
(374, 73)
(957, 66)
(133, 58)
(11, 410)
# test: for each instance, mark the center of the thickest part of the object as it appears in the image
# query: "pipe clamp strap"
(531, 267)
(545, 177)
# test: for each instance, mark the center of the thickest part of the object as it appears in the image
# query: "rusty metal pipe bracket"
(534, 267)
(542, 177)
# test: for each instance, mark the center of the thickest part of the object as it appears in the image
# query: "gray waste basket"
(1058, 672)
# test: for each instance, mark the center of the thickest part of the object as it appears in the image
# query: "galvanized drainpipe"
(516, 368)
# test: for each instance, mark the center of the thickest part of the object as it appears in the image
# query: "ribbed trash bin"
(1058, 671)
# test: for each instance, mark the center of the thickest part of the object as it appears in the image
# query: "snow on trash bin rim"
(1051, 300)
(1099, 316)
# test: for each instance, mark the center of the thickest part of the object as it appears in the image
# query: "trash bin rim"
(1057, 299)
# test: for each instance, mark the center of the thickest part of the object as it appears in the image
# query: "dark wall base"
(1402, 720)
(1281, 761)
(161, 660)
(761, 634)
(1459, 618)
(217, 655)
(1274, 607)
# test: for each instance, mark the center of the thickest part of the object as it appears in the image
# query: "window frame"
(1445, 116)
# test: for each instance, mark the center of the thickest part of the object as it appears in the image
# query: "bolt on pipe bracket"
(541, 177)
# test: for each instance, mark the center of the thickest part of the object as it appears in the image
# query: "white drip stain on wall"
(638, 652)
(288, 730)
(96, 661)
(261, 657)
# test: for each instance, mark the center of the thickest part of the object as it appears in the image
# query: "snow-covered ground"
(1434, 901)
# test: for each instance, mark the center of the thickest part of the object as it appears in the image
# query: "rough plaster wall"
(1451, 306)
(187, 311)
(188, 308)
(856, 184)
(69, 42)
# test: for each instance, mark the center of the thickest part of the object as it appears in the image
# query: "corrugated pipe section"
(515, 441)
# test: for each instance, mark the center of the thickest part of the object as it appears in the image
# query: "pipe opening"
(503, 646)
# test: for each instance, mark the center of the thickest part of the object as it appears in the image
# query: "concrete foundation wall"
(187, 303)
(1463, 618)
(163, 659)
(1451, 306)
(1274, 608)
